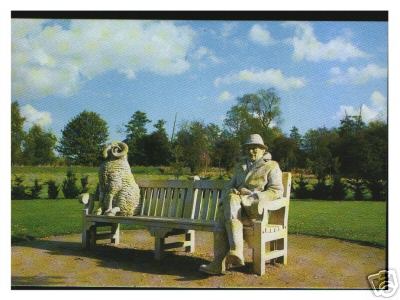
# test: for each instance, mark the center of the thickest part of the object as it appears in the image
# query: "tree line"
(354, 150)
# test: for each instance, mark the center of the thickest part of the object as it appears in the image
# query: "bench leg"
(159, 243)
(115, 233)
(190, 239)
(85, 238)
(282, 245)
(258, 251)
(92, 236)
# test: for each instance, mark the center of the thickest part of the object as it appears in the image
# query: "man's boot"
(221, 247)
(234, 229)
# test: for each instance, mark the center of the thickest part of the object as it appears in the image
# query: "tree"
(17, 133)
(135, 130)
(255, 113)
(156, 146)
(376, 171)
(226, 152)
(193, 145)
(83, 138)
(285, 151)
(318, 145)
(263, 106)
(39, 146)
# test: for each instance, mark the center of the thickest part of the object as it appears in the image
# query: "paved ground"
(313, 263)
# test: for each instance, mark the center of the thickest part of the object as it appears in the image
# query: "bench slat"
(172, 204)
(154, 202)
(209, 184)
(167, 202)
(164, 222)
(143, 192)
(149, 183)
(212, 210)
(204, 206)
(160, 204)
(198, 204)
(181, 203)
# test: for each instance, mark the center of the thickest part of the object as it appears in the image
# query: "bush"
(177, 169)
(320, 191)
(18, 189)
(338, 189)
(69, 187)
(35, 189)
(52, 189)
(85, 184)
(378, 189)
(358, 188)
(97, 192)
(301, 190)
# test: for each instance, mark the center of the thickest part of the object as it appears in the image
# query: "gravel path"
(312, 263)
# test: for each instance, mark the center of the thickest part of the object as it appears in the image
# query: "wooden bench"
(179, 208)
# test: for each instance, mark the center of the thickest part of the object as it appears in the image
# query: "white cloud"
(225, 96)
(377, 110)
(260, 35)
(227, 28)
(202, 98)
(307, 47)
(357, 76)
(270, 77)
(56, 60)
(203, 53)
(33, 116)
(378, 99)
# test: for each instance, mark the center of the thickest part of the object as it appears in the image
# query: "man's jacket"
(263, 178)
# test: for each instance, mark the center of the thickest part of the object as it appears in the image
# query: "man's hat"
(255, 139)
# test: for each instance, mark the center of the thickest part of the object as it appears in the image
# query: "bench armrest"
(264, 207)
(87, 200)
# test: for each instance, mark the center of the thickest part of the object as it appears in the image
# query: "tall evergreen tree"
(83, 138)
(135, 131)
(39, 146)
(17, 133)
(156, 146)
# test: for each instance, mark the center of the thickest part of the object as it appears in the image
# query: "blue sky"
(197, 69)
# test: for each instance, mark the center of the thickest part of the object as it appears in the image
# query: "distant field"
(351, 220)
(45, 173)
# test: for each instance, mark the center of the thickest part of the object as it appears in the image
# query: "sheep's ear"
(105, 151)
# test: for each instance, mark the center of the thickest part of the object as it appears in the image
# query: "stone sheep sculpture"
(119, 194)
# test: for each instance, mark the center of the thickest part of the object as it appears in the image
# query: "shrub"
(358, 188)
(177, 169)
(52, 189)
(18, 189)
(85, 183)
(378, 189)
(97, 192)
(69, 187)
(301, 190)
(320, 190)
(338, 189)
(35, 189)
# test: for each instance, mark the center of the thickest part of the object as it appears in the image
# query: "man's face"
(255, 152)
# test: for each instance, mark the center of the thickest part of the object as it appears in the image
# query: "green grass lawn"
(351, 220)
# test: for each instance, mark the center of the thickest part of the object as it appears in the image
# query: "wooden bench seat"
(179, 208)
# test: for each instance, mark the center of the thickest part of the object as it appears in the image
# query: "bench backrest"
(198, 199)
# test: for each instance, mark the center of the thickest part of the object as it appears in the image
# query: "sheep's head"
(115, 150)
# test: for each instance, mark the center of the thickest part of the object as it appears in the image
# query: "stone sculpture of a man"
(256, 179)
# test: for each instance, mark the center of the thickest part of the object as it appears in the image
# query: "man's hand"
(244, 191)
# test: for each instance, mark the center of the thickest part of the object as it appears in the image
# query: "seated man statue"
(256, 180)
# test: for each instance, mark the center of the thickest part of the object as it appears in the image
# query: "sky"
(197, 69)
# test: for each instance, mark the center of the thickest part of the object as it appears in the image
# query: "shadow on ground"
(179, 264)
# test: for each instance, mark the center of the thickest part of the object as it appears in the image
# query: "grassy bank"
(351, 220)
